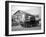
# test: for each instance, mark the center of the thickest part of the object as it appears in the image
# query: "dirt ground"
(20, 28)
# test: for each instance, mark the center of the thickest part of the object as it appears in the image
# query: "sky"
(29, 9)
